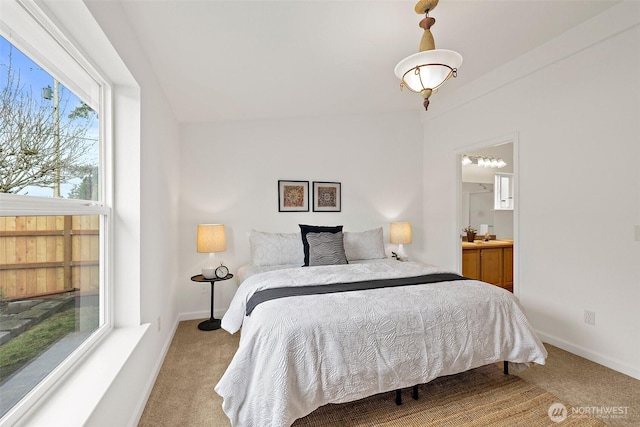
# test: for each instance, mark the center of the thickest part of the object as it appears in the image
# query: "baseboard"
(601, 359)
(195, 315)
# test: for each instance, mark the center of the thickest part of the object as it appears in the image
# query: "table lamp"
(400, 233)
(211, 239)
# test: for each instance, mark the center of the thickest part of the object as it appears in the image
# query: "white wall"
(158, 174)
(230, 175)
(575, 104)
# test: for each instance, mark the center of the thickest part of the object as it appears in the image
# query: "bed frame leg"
(415, 392)
(398, 397)
(506, 367)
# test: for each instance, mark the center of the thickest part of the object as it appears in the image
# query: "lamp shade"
(211, 238)
(428, 69)
(400, 233)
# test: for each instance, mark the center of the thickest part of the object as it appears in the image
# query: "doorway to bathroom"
(487, 195)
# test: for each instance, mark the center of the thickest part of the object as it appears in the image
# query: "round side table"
(212, 323)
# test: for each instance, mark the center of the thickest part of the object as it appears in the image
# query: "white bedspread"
(299, 353)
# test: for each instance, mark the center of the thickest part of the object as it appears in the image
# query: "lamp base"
(402, 255)
(209, 267)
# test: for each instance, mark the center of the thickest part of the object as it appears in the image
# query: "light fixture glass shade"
(428, 69)
(211, 238)
(400, 233)
(483, 162)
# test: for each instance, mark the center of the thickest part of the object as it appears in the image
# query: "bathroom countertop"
(479, 244)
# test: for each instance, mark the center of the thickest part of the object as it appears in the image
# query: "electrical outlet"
(589, 317)
(204, 289)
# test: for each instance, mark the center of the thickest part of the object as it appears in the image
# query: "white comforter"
(299, 353)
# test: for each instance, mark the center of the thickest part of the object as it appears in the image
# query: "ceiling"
(253, 60)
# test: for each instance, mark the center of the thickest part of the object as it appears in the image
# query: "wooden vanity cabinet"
(491, 262)
(507, 255)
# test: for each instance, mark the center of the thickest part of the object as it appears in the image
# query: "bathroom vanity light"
(483, 161)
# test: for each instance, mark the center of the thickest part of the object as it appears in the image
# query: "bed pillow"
(304, 229)
(364, 245)
(275, 248)
(326, 249)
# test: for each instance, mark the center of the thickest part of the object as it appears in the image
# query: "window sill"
(84, 388)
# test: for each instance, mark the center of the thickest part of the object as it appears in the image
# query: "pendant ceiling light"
(428, 69)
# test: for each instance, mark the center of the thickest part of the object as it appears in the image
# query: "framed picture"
(293, 196)
(326, 196)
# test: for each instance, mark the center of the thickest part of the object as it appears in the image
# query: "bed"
(339, 332)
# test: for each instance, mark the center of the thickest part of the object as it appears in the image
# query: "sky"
(34, 78)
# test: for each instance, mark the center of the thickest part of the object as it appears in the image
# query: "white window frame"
(38, 47)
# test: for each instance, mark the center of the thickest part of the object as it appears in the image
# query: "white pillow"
(276, 248)
(364, 245)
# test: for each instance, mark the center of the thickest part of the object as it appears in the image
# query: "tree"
(36, 147)
(87, 189)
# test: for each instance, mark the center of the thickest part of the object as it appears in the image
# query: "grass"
(20, 350)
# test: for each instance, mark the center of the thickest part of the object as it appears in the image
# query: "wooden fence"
(43, 255)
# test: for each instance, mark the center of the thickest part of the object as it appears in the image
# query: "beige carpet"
(585, 384)
(183, 394)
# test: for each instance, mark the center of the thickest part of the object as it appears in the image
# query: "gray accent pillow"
(326, 249)
(304, 229)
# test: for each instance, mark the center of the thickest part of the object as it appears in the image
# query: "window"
(49, 135)
(54, 207)
(503, 191)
